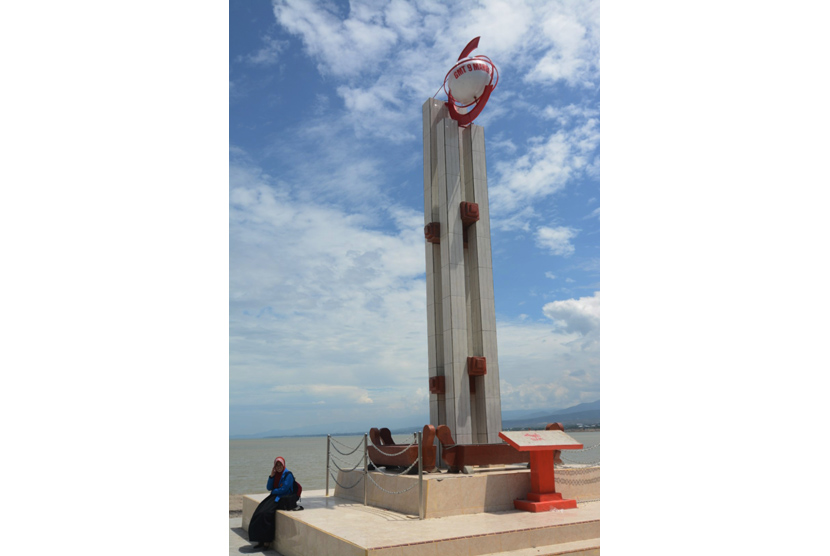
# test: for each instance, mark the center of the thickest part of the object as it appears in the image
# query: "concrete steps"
(333, 525)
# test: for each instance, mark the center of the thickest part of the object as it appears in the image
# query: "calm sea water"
(251, 460)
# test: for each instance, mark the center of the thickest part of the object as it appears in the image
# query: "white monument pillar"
(461, 316)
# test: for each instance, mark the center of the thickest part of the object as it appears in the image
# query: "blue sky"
(327, 285)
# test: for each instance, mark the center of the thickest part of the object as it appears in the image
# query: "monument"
(465, 404)
(461, 317)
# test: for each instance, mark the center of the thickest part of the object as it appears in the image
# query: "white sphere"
(467, 81)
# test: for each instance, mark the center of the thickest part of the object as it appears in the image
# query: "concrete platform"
(491, 489)
(337, 526)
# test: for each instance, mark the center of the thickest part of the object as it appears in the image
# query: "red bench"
(383, 452)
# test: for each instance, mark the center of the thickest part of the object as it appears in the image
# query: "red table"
(541, 445)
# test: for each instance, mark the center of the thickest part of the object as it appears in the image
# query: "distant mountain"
(526, 413)
(584, 414)
(577, 408)
(581, 414)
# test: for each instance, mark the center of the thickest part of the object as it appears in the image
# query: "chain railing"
(565, 456)
(336, 442)
(405, 448)
(333, 443)
(578, 469)
(338, 460)
(382, 472)
(367, 462)
(576, 481)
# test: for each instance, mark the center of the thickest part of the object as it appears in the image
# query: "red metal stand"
(542, 496)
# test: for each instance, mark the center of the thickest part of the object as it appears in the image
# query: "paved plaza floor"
(378, 530)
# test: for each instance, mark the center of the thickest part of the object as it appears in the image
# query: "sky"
(327, 268)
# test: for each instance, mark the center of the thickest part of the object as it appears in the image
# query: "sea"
(305, 456)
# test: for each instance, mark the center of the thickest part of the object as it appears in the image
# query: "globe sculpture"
(468, 85)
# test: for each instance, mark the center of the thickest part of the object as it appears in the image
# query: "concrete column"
(483, 296)
(433, 166)
(460, 302)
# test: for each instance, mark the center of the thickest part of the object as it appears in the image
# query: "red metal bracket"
(476, 366)
(469, 213)
(432, 232)
(436, 385)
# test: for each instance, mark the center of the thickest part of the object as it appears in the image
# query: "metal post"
(365, 466)
(328, 465)
(420, 476)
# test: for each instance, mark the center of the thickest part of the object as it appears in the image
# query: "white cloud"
(377, 110)
(352, 393)
(502, 144)
(546, 168)
(518, 220)
(565, 116)
(403, 18)
(575, 315)
(544, 367)
(343, 171)
(343, 47)
(319, 302)
(550, 275)
(503, 23)
(573, 55)
(556, 240)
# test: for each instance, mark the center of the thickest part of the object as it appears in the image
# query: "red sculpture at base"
(383, 452)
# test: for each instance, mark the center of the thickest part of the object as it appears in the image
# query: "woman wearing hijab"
(284, 494)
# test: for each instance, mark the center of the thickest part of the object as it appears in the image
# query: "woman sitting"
(285, 492)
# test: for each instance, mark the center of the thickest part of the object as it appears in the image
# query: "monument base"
(544, 503)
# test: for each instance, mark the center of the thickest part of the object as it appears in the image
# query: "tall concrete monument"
(461, 316)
